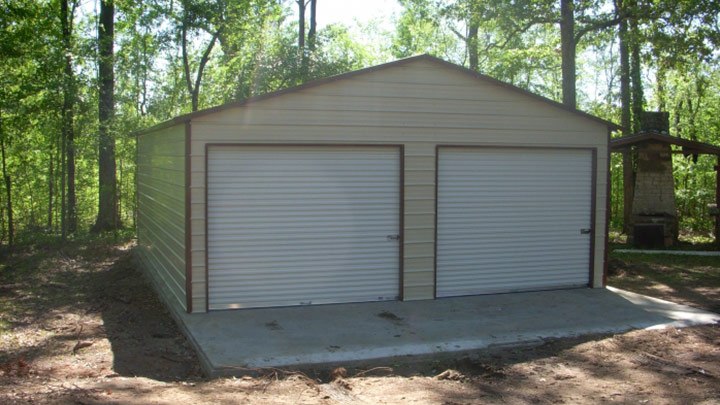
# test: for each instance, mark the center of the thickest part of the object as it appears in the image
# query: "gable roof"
(479, 76)
(687, 145)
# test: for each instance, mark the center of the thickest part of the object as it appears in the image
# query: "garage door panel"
(510, 219)
(302, 225)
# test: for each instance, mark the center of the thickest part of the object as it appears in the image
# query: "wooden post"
(717, 202)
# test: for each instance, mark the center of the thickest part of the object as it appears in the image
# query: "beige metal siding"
(161, 209)
(419, 105)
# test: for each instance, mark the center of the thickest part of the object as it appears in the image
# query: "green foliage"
(257, 52)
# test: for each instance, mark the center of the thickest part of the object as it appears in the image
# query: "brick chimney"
(654, 217)
(655, 122)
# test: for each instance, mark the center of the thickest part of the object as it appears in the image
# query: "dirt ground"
(79, 325)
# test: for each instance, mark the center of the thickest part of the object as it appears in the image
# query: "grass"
(691, 280)
(686, 241)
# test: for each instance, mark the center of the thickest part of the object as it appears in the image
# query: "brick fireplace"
(654, 221)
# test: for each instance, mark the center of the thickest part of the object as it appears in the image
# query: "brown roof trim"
(400, 62)
(692, 146)
(524, 92)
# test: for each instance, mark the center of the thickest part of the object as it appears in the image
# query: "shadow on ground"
(55, 300)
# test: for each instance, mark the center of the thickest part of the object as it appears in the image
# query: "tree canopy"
(60, 117)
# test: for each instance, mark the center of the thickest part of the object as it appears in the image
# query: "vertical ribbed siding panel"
(293, 225)
(161, 210)
(511, 219)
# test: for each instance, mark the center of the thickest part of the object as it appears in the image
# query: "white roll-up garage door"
(298, 225)
(512, 219)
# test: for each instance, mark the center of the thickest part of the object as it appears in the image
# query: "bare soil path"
(79, 325)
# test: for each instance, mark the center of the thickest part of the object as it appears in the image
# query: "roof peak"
(400, 62)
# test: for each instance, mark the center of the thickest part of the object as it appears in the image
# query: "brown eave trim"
(188, 222)
(158, 127)
(401, 62)
(304, 86)
(478, 75)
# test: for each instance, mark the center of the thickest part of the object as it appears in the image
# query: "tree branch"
(456, 32)
(598, 26)
(521, 30)
(205, 58)
(186, 63)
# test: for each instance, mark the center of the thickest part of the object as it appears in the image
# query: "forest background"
(79, 77)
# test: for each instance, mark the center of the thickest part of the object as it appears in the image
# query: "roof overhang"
(688, 146)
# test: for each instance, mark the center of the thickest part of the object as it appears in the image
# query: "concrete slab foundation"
(229, 341)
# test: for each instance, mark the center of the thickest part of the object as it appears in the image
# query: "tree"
(69, 217)
(8, 183)
(192, 15)
(107, 216)
(313, 24)
(625, 100)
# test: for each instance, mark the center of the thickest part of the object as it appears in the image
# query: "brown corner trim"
(437, 166)
(593, 192)
(593, 218)
(207, 250)
(401, 208)
(401, 224)
(188, 222)
(608, 190)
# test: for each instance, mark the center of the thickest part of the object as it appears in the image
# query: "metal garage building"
(410, 180)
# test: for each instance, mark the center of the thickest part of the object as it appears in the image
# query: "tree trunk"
(636, 76)
(63, 182)
(625, 100)
(661, 77)
(194, 89)
(51, 190)
(472, 43)
(567, 39)
(301, 24)
(107, 218)
(68, 132)
(8, 184)
(313, 25)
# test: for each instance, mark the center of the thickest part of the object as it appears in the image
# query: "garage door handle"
(393, 237)
(585, 231)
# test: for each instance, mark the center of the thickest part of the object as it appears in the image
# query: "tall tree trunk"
(625, 100)
(636, 76)
(8, 185)
(313, 24)
(660, 93)
(107, 218)
(472, 43)
(568, 44)
(63, 182)
(68, 117)
(51, 189)
(301, 24)
(60, 168)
